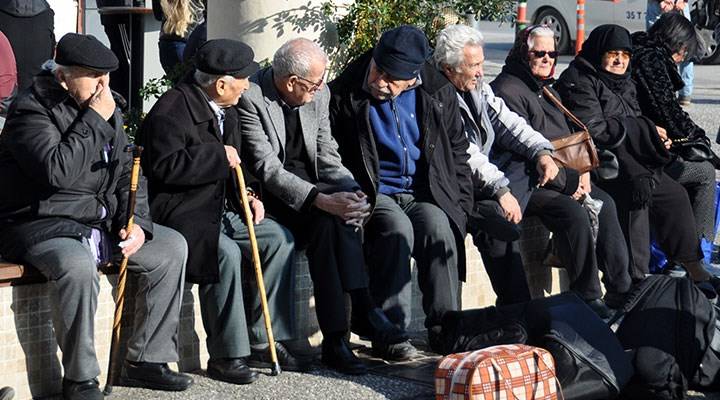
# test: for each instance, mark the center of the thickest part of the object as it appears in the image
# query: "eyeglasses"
(314, 86)
(542, 53)
(625, 55)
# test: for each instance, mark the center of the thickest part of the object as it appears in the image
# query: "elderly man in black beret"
(62, 154)
(396, 120)
(192, 141)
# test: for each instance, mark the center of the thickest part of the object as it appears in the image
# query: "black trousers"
(335, 259)
(403, 226)
(670, 216)
(570, 224)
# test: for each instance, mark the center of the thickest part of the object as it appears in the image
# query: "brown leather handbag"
(576, 150)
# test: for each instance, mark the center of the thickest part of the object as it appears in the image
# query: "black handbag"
(695, 148)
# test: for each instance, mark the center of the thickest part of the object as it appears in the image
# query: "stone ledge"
(30, 359)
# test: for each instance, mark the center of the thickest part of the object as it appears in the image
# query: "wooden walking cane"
(258, 269)
(122, 275)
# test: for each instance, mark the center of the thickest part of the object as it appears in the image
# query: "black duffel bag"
(469, 330)
(589, 360)
(669, 325)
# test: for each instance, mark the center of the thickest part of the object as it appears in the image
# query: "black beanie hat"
(401, 52)
(86, 51)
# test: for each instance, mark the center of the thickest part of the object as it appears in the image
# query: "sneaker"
(394, 352)
(684, 100)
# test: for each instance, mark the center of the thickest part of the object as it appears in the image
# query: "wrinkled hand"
(258, 209)
(232, 156)
(510, 205)
(547, 169)
(667, 6)
(585, 182)
(662, 132)
(346, 205)
(642, 189)
(132, 243)
(579, 193)
(102, 101)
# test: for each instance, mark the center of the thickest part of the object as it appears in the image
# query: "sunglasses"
(542, 53)
(618, 54)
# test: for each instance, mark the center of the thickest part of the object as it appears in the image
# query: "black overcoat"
(63, 171)
(187, 170)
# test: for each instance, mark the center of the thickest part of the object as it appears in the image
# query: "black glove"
(642, 189)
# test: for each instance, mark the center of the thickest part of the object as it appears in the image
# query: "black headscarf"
(602, 39)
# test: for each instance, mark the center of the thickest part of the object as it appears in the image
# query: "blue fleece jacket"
(397, 135)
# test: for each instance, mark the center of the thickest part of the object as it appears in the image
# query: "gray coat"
(263, 137)
(507, 131)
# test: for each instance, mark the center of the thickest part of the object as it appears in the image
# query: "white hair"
(296, 57)
(539, 31)
(451, 43)
(206, 80)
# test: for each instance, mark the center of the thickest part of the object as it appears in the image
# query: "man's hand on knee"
(131, 243)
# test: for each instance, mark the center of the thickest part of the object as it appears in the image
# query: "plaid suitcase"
(504, 372)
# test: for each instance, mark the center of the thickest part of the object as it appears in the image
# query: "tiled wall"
(30, 359)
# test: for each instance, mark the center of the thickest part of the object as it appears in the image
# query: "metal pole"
(522, 21)
(580, 38)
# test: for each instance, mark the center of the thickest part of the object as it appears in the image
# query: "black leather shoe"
(394, 352)
(599, 307)
(339, 357)
(155, 376)
(287, 361)
(615, 300)
(233, 370)
(86, 390)
(375, 326)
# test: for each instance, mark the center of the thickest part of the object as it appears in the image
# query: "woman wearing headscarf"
(598, 88)
(656, 55)
(529, 69)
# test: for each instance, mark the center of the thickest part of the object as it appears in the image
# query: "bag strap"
(565, 111)
(541, 362)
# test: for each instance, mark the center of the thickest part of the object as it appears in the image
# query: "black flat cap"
(75, 49)
(401, 52)
(226, 57)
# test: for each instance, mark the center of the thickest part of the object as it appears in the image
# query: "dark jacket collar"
(200, 110)
(432, 79)
(521, 70)
(48, 91)
(265, 79)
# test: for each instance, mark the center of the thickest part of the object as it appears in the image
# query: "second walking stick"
(258, 268)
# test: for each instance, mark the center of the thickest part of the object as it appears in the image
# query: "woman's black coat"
(613, 118)
(657, 80)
